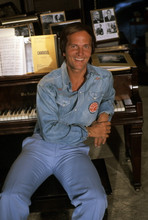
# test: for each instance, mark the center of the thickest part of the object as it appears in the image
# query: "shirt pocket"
(95, 95)
(62, 101)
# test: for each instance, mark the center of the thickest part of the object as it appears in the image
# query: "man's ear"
(64, 54)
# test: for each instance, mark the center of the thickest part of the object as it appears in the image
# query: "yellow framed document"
(44, 53)
(113, 61)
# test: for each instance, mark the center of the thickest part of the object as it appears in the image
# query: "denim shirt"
(63, 114)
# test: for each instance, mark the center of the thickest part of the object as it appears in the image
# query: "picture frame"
(49, 18)
(56, 28)
(19, 19)
(113, 61)
(25, 30)
(104, 24)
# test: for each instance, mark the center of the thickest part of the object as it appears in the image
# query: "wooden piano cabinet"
(126, 87)
(133, 140)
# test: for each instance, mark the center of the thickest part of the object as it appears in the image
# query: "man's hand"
(100, 129)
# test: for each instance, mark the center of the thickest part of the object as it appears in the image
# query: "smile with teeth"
(79, 59)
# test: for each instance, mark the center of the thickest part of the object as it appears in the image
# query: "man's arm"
(100, 129)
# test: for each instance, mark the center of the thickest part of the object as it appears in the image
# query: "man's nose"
(80, 50)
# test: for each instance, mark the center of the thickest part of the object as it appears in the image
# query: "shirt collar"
(65, 76)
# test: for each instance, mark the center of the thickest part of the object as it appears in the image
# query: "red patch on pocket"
(93, 107)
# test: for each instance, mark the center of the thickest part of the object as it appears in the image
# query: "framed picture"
(56, 28)
(25, 30)
(113, 61)
(19, 19)
(104, 24)
(49, 18)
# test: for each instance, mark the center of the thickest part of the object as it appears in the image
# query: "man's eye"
(74, 46)
(86, 46)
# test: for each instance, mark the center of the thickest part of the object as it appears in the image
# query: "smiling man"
(74, 102)
(77, 54)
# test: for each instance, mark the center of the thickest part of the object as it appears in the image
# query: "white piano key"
(119, 106)
(33, 114)
(128, 101)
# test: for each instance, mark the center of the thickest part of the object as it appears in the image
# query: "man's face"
(78, 50)
(96, 15)
(109, 13)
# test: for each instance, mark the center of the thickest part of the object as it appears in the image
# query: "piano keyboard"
(30, 112)
(119, 106)
(18, 114)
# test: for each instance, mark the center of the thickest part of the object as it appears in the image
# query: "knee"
(8, 198)
(92, 197)
(101, 202)
(13, 198)
(13, 207)
(99, 199)
(92, 206)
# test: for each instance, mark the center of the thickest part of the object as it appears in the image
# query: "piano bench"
(51, 195)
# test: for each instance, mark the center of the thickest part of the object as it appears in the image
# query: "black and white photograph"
(97, 16)
(111, 58)
(106, 60)
(50, 18)
(104, 24)
(109, 15)
(25, 30)
(111, 28)
(99, 30)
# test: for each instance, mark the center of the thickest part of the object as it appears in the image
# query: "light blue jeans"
(72, 167)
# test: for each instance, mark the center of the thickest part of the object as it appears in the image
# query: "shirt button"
(75, 109)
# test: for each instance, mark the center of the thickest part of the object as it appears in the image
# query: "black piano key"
(12, 111)
(5, 111)
(19, 110)
(29, 109)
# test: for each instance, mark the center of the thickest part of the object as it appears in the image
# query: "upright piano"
(18, 115)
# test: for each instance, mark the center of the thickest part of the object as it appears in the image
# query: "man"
(109, 16)
(59, 18)
(97, 17)
(99, 30)
(74, 102)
